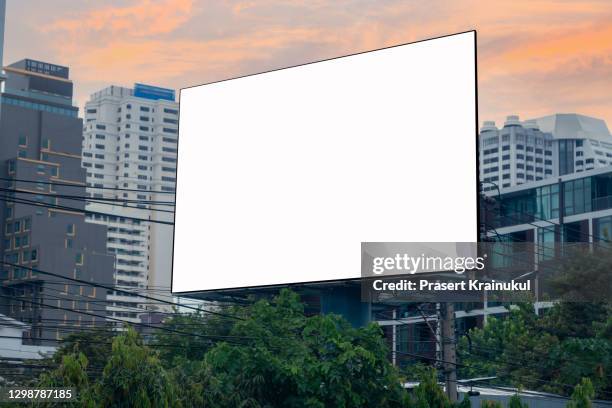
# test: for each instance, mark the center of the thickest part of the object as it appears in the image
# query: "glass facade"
(602, 228)
(577, 196)
(566, 157)
(547, 202)
(38, 106)
(543, 203)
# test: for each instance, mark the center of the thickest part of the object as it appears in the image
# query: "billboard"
(283, 174)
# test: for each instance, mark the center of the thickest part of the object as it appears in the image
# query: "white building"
(551, 146)
(129, 152)
(12, 336)
(2, 14)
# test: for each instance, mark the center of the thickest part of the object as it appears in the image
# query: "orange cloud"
(535, 56)
(173, 58)
(147, 17)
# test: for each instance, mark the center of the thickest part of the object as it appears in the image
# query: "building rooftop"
(42, 67)
(574, 126)
(139, 91)
(560, 126)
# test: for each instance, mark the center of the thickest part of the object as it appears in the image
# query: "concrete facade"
(43, 228)
(537, 149)
(129, 149)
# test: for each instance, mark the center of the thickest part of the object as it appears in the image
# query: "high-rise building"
(2, 13)
(129, 149)
(41, 208)
(537, 149)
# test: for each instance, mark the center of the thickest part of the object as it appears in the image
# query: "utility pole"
(449, 350)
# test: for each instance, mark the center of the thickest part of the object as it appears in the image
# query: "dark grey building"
(42, 226)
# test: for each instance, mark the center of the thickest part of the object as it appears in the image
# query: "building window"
(566, 157)
(546, 238)
(603, 229)
(577, 196)
(23, 141)
(70, 229)
(79, 258)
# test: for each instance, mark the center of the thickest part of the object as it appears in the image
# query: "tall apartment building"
(129, 149)
(42, 219)
(537, 149)
(2, 13)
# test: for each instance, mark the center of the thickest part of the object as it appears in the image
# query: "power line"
(55, 183)
(79, 210)
(119, 290)
(224, 338)
(112, 202)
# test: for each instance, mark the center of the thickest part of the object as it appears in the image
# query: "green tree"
(71, 373)
(568, 342)
(279, 357)
(515, 402)
(176, 350)
(133, 376)
(94, 344)
(428, 394)
(582, 395)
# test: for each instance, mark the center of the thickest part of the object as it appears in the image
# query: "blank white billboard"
(282, 175)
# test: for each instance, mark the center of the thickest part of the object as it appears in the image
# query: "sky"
(534, 57)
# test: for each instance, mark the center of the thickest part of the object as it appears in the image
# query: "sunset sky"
(535, 57)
